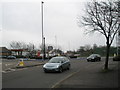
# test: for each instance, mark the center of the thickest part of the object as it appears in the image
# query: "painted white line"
(12, 69)
(8, 64)
(4, 72)
(58, 83)
(21, 69)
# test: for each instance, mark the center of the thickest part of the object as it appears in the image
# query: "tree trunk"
(107, 56)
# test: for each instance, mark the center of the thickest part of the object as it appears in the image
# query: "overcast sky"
(21, 21)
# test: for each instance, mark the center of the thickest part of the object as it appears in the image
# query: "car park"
(94, 57)
(57, 64)
(11, 57)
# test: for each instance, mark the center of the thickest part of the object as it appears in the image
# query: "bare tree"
(22, 45)
(103, 17)
(30, 47)
(94, 46)
(16, 45)
(87, 47)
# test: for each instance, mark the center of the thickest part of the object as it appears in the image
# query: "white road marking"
(12, 70)
(70, 75)
(4, 72)
(8, 64)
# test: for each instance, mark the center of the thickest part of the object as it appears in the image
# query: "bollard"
(21, 62)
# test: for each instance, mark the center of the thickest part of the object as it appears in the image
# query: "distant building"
(55, 52)
(4, 51)
(19, 52)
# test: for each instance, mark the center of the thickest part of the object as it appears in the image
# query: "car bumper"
(92, 60)
(51, 69)
(116, 59)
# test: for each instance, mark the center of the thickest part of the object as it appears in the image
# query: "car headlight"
(44, 65)
(87, 58)
(57, 66)
(92, 57)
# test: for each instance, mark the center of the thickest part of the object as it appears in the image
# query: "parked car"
(57, 64)
(1, 56)
(116, 58)
(94, 57)
(11, 57)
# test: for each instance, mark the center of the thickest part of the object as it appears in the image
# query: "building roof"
(18, 49)
(4, 50)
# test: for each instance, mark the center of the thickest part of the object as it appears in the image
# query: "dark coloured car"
(11, 57)
(94, 57)
(116, 58)
(57, 64)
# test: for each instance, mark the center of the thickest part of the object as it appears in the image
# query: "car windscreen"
(55, 60)
(93, 55)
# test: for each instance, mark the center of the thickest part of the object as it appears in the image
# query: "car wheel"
(99, 59)
(68, 67)
(113, 59)
(60, 70)
(45, 71)
(93, 60)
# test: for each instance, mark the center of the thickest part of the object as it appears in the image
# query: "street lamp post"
(56, 45)
(44, 54)
(42, 19)
(43, 38)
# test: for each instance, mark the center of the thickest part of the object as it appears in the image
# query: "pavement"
(95, 78)
(26, 63)
(31, 63)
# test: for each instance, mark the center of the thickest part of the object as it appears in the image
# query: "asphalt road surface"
(34, 77)
(0, 74)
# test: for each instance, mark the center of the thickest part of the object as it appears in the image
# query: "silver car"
(57, 64)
